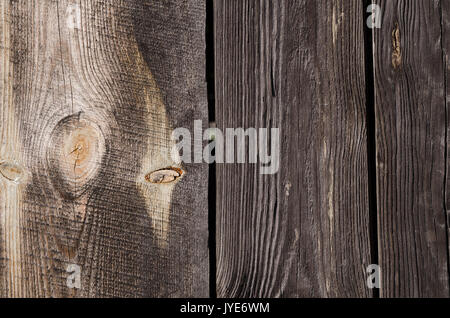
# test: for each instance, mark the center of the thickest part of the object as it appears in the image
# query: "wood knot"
(163, 176)
(396, 48)
(75, 154)
(11, 171)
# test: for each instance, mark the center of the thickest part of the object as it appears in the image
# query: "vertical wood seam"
(371, 141)
(210, 80)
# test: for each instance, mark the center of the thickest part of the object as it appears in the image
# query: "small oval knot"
(166, 175)
(75, 154)
(11, 171)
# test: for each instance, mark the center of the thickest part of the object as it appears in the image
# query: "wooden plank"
(410, 131)
(90, 92)
(445, 29)
(298, 66)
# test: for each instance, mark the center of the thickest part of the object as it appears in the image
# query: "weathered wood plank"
(410, 131)
(445, 25)
(90, 92)
(298, 66)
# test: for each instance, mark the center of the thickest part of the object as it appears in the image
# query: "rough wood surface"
(410, 129)
(90, 92)
(298, 66)
(445, 25)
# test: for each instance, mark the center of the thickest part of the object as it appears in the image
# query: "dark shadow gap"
(210, 79)
(371, 139)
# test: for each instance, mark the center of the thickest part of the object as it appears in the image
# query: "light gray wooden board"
(411, 131)
(90, 92)
(298, 66)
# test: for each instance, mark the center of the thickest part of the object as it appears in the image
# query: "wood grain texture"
(90, 92)
(410, 136)
(445, 29)
(298, 66)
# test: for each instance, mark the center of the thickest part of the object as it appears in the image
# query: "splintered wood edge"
(164, 176)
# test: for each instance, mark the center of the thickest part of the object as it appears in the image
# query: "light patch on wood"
(330, 211)
(330, 193)
(13, 176)
(287, 188)
(330, 196)
(335, 23)
(158, 157)
(396, 48)
(73, 16)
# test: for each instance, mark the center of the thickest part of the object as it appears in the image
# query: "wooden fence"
(93, 203)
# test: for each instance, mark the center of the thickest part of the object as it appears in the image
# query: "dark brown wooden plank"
(410, 131)
(445, 29)
(90, 92)
(298, 66)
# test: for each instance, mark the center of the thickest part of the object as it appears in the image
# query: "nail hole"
(163, 176)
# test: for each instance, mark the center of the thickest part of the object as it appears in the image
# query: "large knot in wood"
(75, 154)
